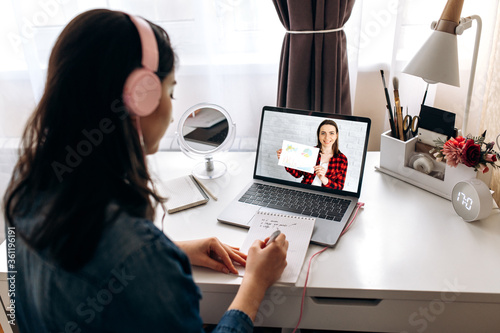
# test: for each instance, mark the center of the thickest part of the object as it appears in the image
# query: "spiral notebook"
(298, 231)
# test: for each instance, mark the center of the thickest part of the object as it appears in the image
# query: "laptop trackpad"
(239, 214)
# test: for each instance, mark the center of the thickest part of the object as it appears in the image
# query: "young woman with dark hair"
(331, 167)
(88, 256)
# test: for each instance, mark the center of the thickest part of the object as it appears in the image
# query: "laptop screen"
(324, 152)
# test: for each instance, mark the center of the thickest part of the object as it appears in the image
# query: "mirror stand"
(209, 169)
(203, 130)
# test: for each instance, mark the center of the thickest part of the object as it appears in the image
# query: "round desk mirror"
(203, 130)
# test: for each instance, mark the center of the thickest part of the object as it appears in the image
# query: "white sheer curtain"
(413, 30)
(491, 107)
(390, 33)
(229, 53)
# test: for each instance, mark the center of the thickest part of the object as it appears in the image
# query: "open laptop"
(273, 186)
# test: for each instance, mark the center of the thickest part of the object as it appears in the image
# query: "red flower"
(471, 153)
(457, 142)
(490, 158)
(452, 152)
(483, 168)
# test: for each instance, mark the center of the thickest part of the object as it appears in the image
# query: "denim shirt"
(137, 281)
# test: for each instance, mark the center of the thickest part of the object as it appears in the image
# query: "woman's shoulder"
(341, 156)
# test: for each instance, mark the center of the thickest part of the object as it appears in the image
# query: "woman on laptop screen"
(331, 166)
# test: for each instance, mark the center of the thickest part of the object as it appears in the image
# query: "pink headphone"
(142, 89)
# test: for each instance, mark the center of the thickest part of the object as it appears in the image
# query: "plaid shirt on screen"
(337, 169)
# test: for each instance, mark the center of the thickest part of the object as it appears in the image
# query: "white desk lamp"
(437, 59)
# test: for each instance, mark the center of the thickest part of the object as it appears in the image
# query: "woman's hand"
(320, 172)
(211, 253)
(278, 152)
(265, 264)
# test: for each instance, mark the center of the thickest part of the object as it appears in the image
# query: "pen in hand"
(273, 237)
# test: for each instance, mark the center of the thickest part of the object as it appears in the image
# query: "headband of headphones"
(148, 43)
(142, 89)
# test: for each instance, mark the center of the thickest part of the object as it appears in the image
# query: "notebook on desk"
(275, 189)
(298, 230)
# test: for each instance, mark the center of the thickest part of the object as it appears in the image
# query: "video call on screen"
(302, 129)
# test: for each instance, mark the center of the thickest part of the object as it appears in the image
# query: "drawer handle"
(346, 301)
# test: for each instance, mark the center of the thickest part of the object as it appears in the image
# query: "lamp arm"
(466, 23)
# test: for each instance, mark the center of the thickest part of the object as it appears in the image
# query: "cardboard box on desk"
(394, 156)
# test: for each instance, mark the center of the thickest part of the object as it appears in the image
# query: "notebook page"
(298, 231)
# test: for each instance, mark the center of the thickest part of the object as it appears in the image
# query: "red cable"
(358, 205)
(305, 284)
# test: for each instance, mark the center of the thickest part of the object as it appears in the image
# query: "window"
(229, 52)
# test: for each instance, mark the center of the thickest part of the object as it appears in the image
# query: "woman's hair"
(335, 146)
(80, 151)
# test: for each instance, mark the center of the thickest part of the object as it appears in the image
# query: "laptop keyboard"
(304, 203)
(219, 137)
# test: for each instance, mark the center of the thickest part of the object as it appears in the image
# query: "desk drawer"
(370, 315)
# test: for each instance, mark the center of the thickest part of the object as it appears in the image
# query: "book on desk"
(182, 193)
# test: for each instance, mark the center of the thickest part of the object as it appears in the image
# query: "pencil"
(399, 113)
(205, 188)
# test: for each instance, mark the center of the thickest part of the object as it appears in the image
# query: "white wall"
(242, 92)
(16, 102)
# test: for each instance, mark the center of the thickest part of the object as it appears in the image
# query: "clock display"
(472, 200)
(465, 200)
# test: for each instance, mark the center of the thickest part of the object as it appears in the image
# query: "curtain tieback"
(314, 31)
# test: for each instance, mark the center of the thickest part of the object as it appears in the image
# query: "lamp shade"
(437, 60)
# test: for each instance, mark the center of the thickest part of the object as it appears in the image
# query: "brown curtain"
(313, 67)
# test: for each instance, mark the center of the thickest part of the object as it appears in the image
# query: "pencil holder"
(397, 159)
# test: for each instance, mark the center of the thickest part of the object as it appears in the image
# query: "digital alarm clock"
(472, 200)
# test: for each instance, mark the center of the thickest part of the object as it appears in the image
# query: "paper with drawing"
(298, 156)
(298, 231)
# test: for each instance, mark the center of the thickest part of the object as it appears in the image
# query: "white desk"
(408, 263)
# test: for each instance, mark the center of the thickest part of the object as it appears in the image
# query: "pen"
(388, 100)
(425, 94)
(273, 236)
(205, 188)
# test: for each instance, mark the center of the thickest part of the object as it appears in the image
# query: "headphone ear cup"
(142, 92)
